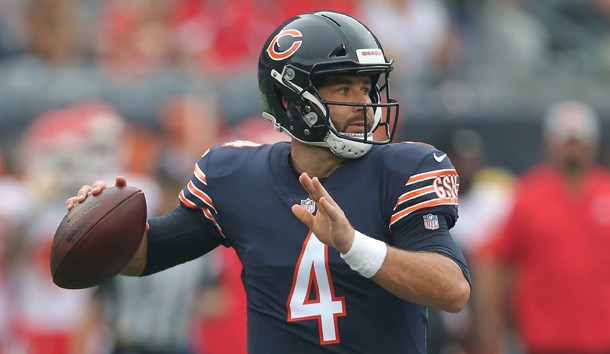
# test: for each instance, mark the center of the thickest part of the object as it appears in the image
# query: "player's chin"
(348, 135)
(354, 130)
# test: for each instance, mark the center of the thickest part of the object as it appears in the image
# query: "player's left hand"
(329, 224)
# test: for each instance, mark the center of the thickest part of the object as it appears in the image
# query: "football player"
(344, 238)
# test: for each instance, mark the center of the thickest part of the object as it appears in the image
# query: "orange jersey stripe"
(208, 215)
(187, 202)
(241, 144)
(206, 211)
(429, 203)
(201, 195)
(429, 175)
(200, 175)
(414, 194)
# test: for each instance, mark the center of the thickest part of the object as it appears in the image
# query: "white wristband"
(366, 254)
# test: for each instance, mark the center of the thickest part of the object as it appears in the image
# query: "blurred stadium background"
(491, 65)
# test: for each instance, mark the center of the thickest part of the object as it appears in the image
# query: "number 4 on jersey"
(312, 296)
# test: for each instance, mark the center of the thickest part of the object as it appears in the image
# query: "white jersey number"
(312, 296)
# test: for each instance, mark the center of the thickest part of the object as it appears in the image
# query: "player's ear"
(285, 103)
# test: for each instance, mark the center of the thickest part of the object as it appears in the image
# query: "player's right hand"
(329, 224)
(95, 189)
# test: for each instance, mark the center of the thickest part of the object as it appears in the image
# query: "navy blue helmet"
(298, 55)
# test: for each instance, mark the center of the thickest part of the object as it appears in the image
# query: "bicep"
(412, 235)
(180, 236)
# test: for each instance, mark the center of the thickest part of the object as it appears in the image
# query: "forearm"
(136, 265)
(174, 238)
(424, 278)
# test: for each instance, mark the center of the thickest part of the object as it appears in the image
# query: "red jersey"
(558, 246)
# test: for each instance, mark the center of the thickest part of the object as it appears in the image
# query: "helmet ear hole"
(304, 112)
(293, 112)
(281, 98)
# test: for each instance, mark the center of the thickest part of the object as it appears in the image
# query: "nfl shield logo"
(309, 205)
(431, 222)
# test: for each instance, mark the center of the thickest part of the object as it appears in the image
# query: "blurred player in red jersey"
(223, 309)
(343, 238)
(549, 266)
(225, 36)
(41, 316)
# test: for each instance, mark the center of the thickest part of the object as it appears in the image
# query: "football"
(98, 237)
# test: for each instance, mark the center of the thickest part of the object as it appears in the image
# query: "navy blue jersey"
(302, 297)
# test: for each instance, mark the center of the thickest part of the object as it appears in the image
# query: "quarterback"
(343, 236)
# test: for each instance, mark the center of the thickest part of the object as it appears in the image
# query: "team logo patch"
(431, 222)
(283, 54)
(309, 204)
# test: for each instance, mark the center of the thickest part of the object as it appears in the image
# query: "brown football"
(98, 237)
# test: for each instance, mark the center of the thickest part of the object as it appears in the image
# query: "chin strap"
(345, 148)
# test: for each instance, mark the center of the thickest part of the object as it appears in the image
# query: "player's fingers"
(342, 232)
(314, 187)
(320, 191)
(80, 196)
(303, 215)
(120, 181)
(305, 181)
(325, 206)
(97, 187)
(70, 202)
(83, 192)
